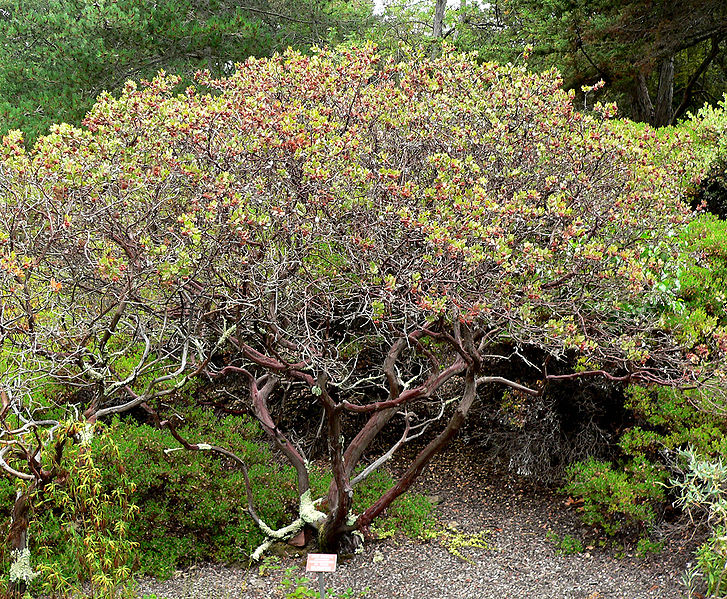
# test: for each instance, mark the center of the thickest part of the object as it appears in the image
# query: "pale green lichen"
(258, 553)
(308, 511)
(266, 530)
(275, 535)
(85, 435)
(308, 515)
(20, 570)
(282, 533)
(351, 519)
(204, 446)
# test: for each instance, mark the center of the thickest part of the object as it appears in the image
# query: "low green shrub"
(703, 282)
(193, 504)
(617, 500)
(668, 419)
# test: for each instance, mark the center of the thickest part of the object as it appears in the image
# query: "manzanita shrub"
(373, 239)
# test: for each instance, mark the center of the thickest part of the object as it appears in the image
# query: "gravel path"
(520, 563)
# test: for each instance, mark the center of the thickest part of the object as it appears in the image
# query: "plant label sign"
(321, 562)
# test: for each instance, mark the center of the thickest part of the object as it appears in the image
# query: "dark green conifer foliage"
(57, 56)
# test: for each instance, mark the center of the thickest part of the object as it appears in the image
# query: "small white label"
(321, 562)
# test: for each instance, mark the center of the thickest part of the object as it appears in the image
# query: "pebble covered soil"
(521, 561)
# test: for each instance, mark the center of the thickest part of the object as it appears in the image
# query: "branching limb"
(381, 460)
(169, 425)
(423, 458)
(9, 469)
(512, 384)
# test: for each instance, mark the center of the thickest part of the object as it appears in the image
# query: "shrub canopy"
(365, 230)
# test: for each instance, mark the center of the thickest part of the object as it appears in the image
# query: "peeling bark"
(383, 412)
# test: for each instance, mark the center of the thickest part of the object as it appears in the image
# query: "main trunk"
(646, 111)
(439, 8)
(665, 95)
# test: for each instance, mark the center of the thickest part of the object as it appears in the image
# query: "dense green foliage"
(81, 523)
(616, 500)
(192, 504)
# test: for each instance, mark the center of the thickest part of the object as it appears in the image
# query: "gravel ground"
(520, 563)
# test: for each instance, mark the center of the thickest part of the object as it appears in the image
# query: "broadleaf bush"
(616, 500)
